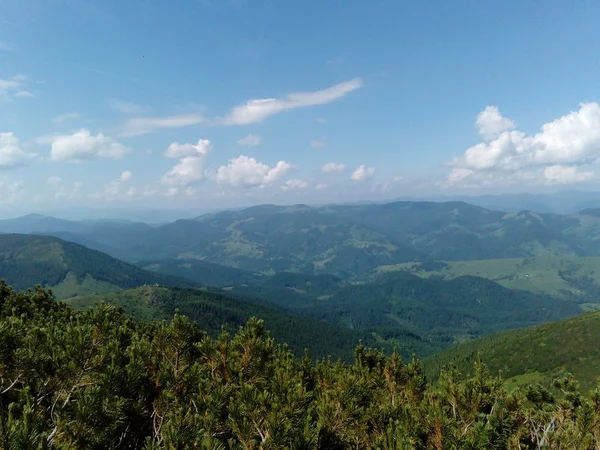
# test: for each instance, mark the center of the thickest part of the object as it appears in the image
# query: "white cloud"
(82, 146)
(317, 143)
(67, 116)
(190, 192)
(144, 125)
(127, 107)
(112, 190)
(172, 191)
(254, 111)
(561, 147)
(177, 150)
(14, 87)
(362, 173)
(125, 176)
(63, 191)
(26, 94)
(321, 186)
(322, 120)
(190, 168)
(11, 152)
(252, 140)
(334, 167)
(295, 184)
(491, 123)
(566, 174)
(10, 190)
(248, 172)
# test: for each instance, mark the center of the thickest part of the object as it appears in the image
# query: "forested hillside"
(70, 269)
(444, 311)
(214, 312)
(533, 355)
(202, 272)
(97, 379)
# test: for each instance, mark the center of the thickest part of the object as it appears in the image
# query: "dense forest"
(97, 379)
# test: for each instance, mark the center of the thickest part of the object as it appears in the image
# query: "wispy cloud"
(14, 87)
(127, 107)
(317, 143)
(252, 140)
(144, 125)
(254, 111)
(67, 116)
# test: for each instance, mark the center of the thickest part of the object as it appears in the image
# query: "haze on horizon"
(126, 106)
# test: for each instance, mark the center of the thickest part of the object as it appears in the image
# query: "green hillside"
(576, 278)
(536, 354)
(445, 311)
(69, 269)
(212, 311)
(201, 272)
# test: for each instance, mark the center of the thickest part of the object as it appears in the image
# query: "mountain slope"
(69, 269)
(201, 272)
(445, 311)
(212, 311)
(535, 354)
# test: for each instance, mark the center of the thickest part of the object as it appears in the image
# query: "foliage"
(539, 353)
(96, 379)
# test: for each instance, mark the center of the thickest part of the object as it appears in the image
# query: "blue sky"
(220, 103)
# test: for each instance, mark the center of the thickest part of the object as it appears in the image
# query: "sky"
(207, 104)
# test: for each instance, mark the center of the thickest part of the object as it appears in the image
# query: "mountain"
(443, 311)
(201, 272)
(213, 311)
(532, 355)
(574, 278)
(346, 240)
(70, 269)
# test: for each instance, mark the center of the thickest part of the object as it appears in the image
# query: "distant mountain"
(342, 239)
(70, 269)
(443, 311)
(532, 355)
(214, 311)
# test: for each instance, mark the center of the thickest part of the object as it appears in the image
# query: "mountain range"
(344, 240)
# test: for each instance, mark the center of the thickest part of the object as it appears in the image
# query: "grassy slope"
(541, 274)
(212, 311)
(535, 354)
(69, 269)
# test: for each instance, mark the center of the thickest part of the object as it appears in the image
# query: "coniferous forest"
(97, 379)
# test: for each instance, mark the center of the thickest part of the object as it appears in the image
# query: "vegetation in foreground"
(98, 379)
